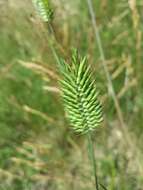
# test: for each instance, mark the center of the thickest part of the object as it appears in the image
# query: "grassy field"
(38, 149)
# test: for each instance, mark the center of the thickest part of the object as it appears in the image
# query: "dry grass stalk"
(38, 113)
(135, 14)
(39, 68)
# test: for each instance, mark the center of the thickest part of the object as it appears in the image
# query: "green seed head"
(43, 7)
(80, 95)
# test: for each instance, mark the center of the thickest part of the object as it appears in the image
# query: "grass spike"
(44, 9)
(79, 89)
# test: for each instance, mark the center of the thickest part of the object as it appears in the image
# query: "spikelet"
(44, 10)
(80, 95)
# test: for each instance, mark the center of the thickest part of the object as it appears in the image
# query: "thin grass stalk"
(102, 56)
(92, 158)
(129, 141)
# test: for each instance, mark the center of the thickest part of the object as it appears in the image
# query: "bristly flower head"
(80, 95)
(44, 9)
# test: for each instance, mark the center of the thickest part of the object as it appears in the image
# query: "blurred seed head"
(44, 9)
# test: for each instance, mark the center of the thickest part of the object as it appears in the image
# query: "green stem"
(92, 157)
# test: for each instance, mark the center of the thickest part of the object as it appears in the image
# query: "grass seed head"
(44, 9)
(80, 95)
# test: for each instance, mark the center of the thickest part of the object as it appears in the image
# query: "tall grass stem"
(129, 140)
(92, 158)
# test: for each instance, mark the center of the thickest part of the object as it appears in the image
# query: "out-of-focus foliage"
(37, 148)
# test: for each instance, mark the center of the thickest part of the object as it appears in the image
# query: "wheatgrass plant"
(80, 97)
(79, 92)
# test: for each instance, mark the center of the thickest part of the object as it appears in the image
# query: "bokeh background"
(38, 149)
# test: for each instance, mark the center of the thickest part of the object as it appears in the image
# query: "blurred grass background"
(38, 150)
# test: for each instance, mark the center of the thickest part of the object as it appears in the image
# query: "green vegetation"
(80, 95)
(38, 148)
